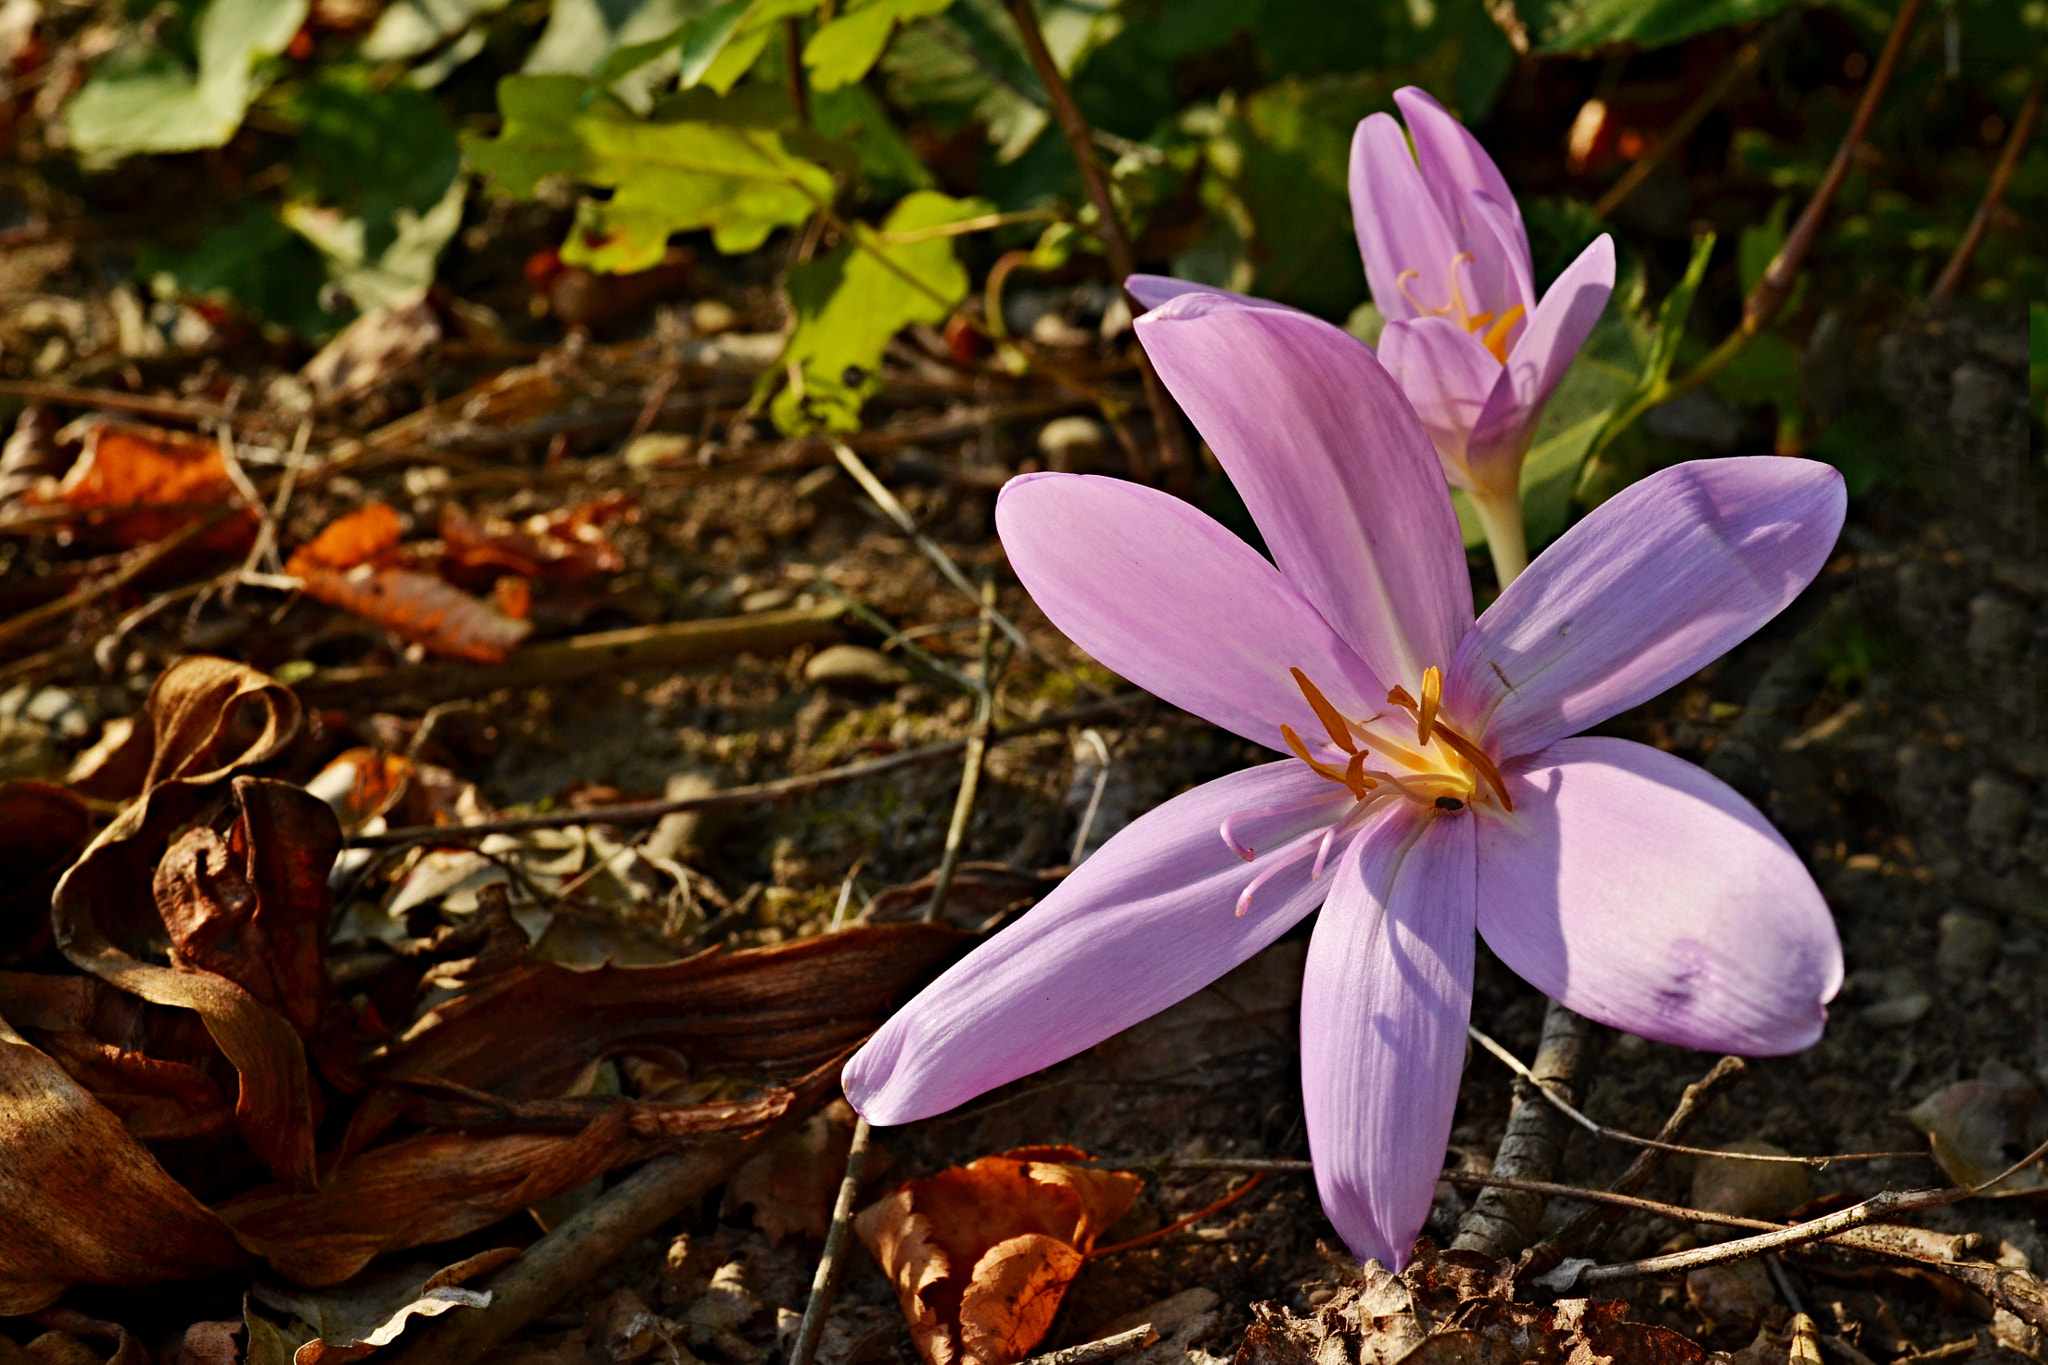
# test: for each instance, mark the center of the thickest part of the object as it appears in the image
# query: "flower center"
(1496, 337)
(1440, 769)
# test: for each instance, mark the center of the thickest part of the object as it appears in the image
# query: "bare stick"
(1122, 263)
(578, 1250)
(38, 619)
(1502, 1221)
(792, 58)
(1095, 1352)
(758, 794)
(143, 404)
(1869, 1211)
(825, 1283)
(1772, 288)
(1994, 195)
(970, 769)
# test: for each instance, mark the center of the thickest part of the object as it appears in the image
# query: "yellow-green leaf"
(851, 301)
(843, 51)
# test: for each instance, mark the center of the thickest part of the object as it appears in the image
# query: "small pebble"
(1074, 444)
(854, 665)
(1900, 1002)
(1998, 813)
(1968, 947)
(1998, 628)
(1749, 1189)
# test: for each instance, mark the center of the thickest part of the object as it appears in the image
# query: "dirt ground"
(1891, 723)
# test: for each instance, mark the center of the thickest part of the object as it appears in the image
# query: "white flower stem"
(1501, 519)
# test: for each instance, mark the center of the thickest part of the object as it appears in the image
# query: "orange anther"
(1496, 338)
(1332, 719)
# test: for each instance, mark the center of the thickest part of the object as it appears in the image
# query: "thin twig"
(792, 59)
(1093, 738)
(37, 619)
(970, 768)
(1564, 1105)
(1994, 194)
(758, 794)
(1589, 1228)
(878, 492)
(826, 1282)
(143, 404)
(1768, 295)
(1122, 263)
(1870, 1210)
(1177, 1224)
(1098, 1351)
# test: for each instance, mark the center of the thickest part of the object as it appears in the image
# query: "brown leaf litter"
(981, 1254)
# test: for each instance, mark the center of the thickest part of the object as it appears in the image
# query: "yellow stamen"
(1332, 719)
(1496, 338)
(1432, 696)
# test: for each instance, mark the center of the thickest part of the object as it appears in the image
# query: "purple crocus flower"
(1434, 788)
(1471, 345)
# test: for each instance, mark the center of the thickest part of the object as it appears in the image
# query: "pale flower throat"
(1496, 338)
(1441, 771)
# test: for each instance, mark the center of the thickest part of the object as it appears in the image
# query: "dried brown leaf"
(1978, 1128)
(981, 1254)
(212, 719)
(81, 1198)
(792, 1182)
(567, 547)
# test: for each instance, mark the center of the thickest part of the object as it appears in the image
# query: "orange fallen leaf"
(143, 483)
(368, 535)
(981, 1254)
(421, 608)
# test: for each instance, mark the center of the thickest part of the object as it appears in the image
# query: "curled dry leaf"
(357, 564)
(981, 1254)
(212, 720)
(143, 483)
(1978, 1128)
(792, 1182)
(352, 1320)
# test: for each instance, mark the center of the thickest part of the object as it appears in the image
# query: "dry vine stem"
(1565, 1107)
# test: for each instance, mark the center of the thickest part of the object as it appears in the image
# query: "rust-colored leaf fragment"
(421, 608)
(567, 547)
(981, 1254)
(368, 535)
(143, 483)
